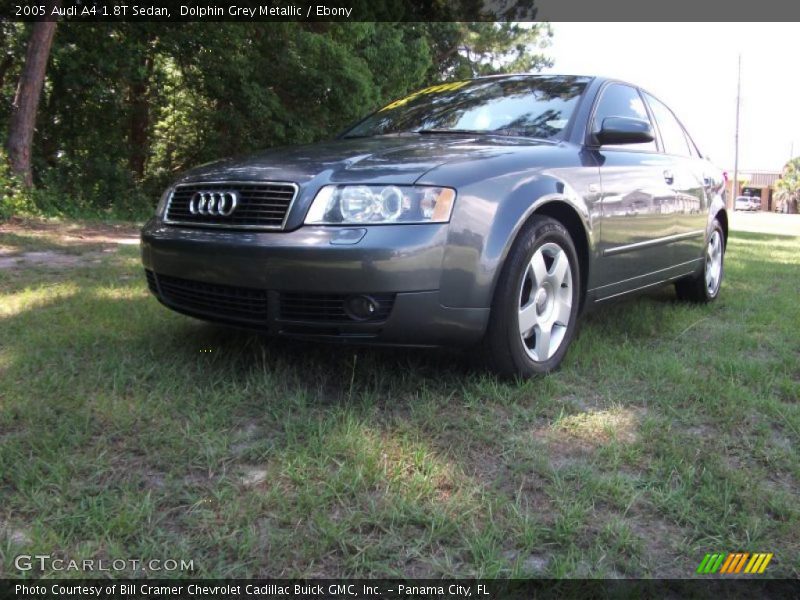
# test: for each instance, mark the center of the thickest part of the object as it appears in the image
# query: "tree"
(26, 101)
(465, 50)
(788, 186)
(139, 100)
(126, 106)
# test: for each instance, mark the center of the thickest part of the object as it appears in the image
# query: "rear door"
(689, 182)
(638, 200)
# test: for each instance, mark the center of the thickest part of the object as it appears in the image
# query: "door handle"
(668, 176)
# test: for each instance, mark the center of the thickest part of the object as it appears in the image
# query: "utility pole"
(736, 137)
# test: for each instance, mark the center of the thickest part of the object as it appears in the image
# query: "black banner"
(397, 10)
(273, 10)
(365, 589)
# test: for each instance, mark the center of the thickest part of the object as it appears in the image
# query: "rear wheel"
(705, 286)
(535, 307)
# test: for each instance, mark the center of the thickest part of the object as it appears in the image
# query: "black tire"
(503, 349)
(697, 288)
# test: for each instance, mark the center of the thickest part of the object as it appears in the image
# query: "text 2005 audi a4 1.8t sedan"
(489, 212)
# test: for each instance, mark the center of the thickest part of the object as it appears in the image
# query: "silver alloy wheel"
(713, 263)
(545, 301)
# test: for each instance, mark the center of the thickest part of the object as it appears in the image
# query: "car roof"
(510, 75)
(596, 78)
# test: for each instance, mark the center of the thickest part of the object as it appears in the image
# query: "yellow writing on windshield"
(442, 87)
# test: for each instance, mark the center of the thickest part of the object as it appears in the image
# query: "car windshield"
(535, 106)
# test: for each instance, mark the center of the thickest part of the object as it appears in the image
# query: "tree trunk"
(140, 118)
(26, 101)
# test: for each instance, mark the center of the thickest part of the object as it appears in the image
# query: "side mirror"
(623, 130)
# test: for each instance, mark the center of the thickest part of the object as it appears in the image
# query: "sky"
(692, 68)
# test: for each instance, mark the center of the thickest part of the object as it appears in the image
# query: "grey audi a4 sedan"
(488, 213)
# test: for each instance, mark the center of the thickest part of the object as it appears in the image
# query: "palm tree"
(788, 186)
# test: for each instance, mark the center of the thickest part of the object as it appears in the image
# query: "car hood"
(398, 159)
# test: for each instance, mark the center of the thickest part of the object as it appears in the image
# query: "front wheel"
(535, 307)
(705, 287)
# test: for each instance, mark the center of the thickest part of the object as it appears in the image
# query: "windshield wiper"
(371, 135)
(458, 131)
(503, 132)
(437, 131)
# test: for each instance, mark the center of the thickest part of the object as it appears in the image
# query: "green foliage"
(127, 106)
(14, 198)
(788, 186)
(13, 38)
(465, 50)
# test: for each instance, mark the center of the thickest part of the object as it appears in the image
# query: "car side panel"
(637, 219)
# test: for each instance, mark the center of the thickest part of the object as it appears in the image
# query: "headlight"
(162, 204)
(380, 204)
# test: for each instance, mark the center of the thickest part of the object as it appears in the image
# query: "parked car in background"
(488, 213)
(747, 203)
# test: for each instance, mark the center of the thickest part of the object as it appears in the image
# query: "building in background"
(756, 184)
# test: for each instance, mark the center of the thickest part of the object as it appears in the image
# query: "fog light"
(361, 308)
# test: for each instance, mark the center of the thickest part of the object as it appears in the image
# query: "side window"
(692, 146)
(672, 134)
(619, 100)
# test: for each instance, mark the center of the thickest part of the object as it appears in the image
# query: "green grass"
(127, 431)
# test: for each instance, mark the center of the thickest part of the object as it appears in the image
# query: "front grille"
(329, 308)
(260, 205)
(222, 301)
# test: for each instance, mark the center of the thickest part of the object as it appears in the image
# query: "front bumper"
(403, 262)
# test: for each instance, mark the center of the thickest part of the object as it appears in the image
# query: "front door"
(638, 201)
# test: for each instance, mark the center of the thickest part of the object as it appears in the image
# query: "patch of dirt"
(663, 541)
(48, 258)
(75, 232)
(782, 483)
(253, 476)
(63, 245)
(14, 536)
(153, 480)
(526, 484)
(246, 438)
(531, 565)
(780, 440)
(700, 430)
(565, 454)
(196, 479)
(419, 569)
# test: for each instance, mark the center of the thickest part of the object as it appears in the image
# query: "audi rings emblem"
(221, 203)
